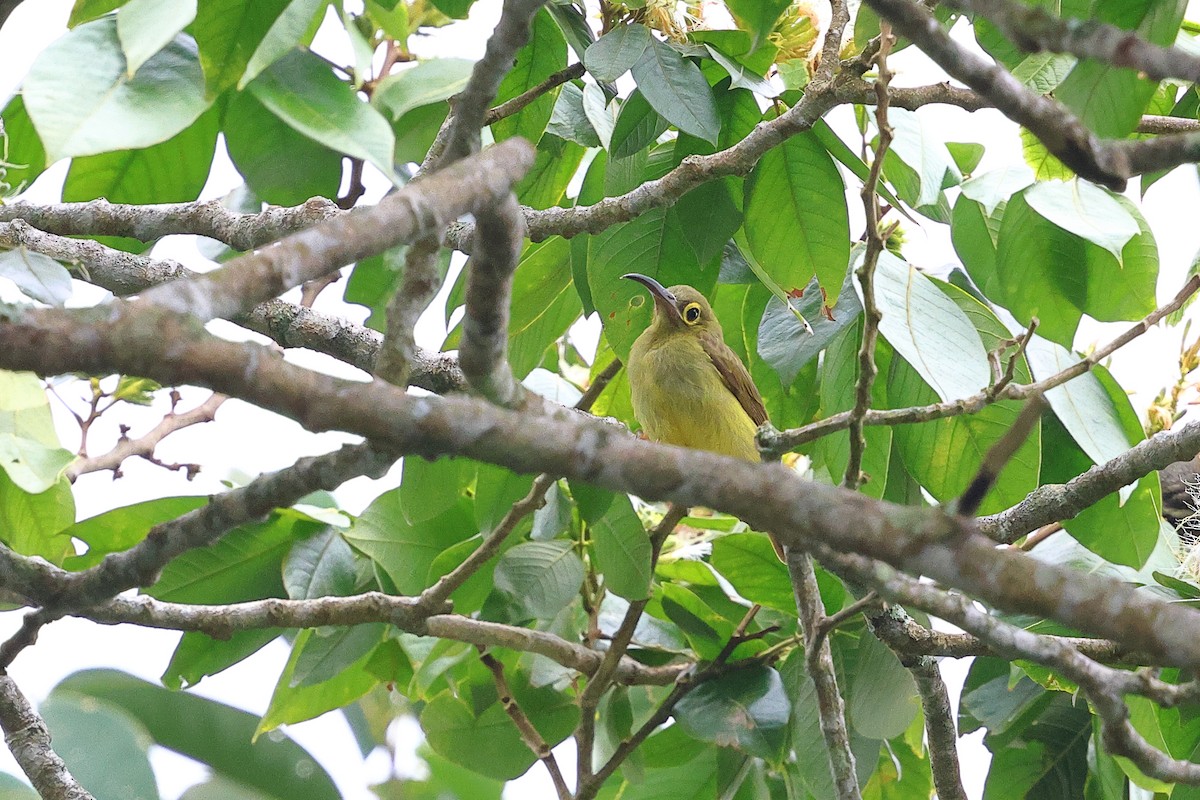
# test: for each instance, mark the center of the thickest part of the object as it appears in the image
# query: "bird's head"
(680, 307)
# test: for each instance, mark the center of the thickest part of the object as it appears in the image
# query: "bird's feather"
(735, 376)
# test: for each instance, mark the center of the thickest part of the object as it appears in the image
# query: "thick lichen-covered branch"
(26, 735)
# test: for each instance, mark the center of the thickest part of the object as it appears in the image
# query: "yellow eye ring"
(691, 313)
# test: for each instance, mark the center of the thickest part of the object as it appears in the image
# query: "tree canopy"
(951, 478)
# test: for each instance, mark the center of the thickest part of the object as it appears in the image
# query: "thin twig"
(529, 734)
(510, 107)
(828, 624)
(818, 659)
(779, 442)
(27, 737)
(998, 456)
(866, 271)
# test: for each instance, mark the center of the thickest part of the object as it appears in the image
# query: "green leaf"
(740, 77)
(295, 25)
(928, 330)
(622, 550)
(783, 340)
(496, 489)
(291, 703)
(706, 630)
(374, 280)
(757, 17)
(1086, 210)
(212, 733)
(147, 26)
(37, 276)
(301, 90)
(430, 488)
(545, 54)
(392, 18)
(245, 564)
(545, 185)
(21, 149)
(82, 101)
(615, 53)
(839, 379)
(749, 563)
(402, 550)
(747, 709)
(569, 120)
(924, 154)
(228, 33)
(198, 655)
(91, 737)
(574, 26)
(456, 9)
(329, 651)
(30, 453)
(33, 524)
(599, 113)
(637, 126)
(432, 81)
(543, 577)
(87, 10)
(487, 741)
(654, 244)
(322, 565)
(173, 171)
(1120, 528)
(544, 303)
(122, 528)
(966, 155)
(281, 165)
(881, 699)
(1043, 72)
(797, 225)
(12, 788)
(677, 90)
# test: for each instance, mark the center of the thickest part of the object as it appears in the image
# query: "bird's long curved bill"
(663, 299)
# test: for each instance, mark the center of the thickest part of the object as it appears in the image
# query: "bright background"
(245, 441)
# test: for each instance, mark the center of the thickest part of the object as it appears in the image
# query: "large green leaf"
(545, 54)
(83, 102)
(426, 82)
(545, 185)
(228, 32)
(282, 166)
(147, 26)
(928, 330)
(94, 737)
(173, 171)
(295, 703)
(295, 26)
(543, 577)
(302, 90)
(749, 563)
(757, 17)
(122, 528)
(29, 449)
(747, 709)
(487, 741)
(402, 550)
(928, 162)
(881, 698)
(544, 303)
(622, 549)
(783, 340)
(330, 651)
(25, 158)
(615, 53)
(198, 655)
(797, 224)
(638, 125)
(323, 565)
(34, 524)
(654, 244)
(215, 734)
(677, 90)
(429, 488)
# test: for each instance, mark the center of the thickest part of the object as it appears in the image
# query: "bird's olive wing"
(736, 377)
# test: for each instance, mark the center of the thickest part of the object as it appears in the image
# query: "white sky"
(1143, 367)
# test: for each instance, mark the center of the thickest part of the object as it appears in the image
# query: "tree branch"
(1036, 30)
(26, 735)
(770, 497)
(510, 107)
(818, 659)
(1109, 163)
(776, 443)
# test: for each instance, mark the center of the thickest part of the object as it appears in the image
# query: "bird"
(687, 386)
(1180, 487)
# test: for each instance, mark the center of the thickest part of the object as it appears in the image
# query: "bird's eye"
(691, 313)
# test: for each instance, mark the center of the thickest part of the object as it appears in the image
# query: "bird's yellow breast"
(680, 398)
